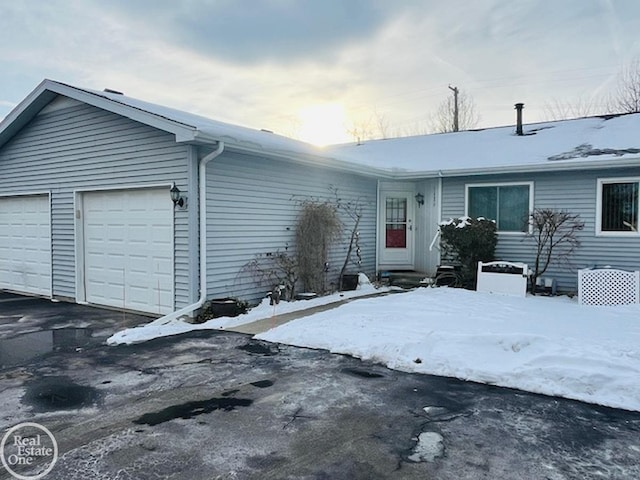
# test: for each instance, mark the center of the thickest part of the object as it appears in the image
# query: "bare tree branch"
(577, 108)
(554, 233)
(382, 124)
(415, 128)
(361, 130)
(626, 96)
(374, 127)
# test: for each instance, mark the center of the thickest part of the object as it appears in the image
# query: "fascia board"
(183, 132)
(47, 90)
(24, 112)
(539, 168)
(315, 161)
(296, 157)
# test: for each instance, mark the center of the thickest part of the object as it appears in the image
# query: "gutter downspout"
(202, 196)
(439, 214)
(378, 227)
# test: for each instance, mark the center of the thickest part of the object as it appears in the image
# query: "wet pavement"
(209, 405)
(22, 314)
(21, 348)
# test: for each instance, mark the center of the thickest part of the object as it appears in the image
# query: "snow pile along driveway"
(552, 346)
(162, 328)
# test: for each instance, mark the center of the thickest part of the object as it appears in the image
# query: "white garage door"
(25, 244)
(128, 249)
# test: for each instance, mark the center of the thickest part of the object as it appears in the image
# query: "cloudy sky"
(315, 69)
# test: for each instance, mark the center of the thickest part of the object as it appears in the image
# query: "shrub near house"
(467, 241)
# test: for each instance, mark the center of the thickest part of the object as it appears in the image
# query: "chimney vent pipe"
(519, 107)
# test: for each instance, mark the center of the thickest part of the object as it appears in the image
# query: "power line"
(496, 82)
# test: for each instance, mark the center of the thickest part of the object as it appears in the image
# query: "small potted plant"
(349, 281)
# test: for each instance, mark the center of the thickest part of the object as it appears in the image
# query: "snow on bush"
(467, 241)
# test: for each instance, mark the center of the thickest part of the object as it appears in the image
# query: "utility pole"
(456, 127)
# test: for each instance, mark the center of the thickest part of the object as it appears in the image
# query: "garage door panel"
(128, 249)
(25, 244)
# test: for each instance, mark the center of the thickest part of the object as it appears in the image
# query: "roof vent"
(519, 107)
(116, 92)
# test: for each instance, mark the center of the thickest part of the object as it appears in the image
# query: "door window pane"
(396, 235)
(396, 223)
(396, 210)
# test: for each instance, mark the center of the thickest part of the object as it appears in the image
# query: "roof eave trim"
(183, 132)
(292, 156)
(537, 168)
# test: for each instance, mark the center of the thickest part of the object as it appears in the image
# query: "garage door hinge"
(78, 214)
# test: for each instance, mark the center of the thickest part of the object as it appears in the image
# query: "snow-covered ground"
(162, 328)
(552, 346)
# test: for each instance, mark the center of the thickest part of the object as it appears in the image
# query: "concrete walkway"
(261, 326)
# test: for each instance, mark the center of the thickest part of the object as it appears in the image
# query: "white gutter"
(316, 159)
(202, 197)
(551, 166)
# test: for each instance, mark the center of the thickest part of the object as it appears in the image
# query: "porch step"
(404, 279)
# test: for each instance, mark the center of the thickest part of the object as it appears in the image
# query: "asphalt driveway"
(220, 405)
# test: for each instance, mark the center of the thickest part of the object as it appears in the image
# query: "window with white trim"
(509, 204)
(618, 206)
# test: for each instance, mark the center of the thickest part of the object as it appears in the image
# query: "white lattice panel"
(608, 286)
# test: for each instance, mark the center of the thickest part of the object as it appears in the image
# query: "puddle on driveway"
(22, 348)
(259, 348)
(262, 383)
(58, 393)
(191, 409)
(361, 373)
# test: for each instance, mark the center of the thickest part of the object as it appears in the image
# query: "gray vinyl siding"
(252, 207)
(574, 192)
(81, 147)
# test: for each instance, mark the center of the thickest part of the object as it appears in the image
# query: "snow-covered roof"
(214, 130)
(187, 127)
(592, 142)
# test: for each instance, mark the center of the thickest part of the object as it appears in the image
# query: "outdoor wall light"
(176, 198)
(420, 199)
